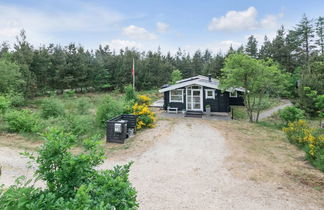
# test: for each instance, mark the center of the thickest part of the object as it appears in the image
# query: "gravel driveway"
(184, 169)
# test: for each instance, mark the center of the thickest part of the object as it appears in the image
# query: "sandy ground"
(181, 164)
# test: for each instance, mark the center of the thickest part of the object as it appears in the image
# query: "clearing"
(199, 164)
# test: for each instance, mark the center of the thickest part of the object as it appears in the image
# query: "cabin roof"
(197, 80)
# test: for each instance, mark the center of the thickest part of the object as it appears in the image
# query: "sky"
(149, 24)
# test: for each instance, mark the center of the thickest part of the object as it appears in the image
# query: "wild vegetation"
(48, 90)
(72, 182)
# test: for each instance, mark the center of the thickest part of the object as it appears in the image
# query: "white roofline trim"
(195, 82)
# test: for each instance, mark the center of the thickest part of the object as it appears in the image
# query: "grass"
(240, 113)
(262, 153)
(71, 109)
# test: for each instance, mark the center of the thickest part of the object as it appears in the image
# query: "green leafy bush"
(291, 114)
(76, 124)
(109, 108)
(83, 106)
(4, 104)
(311, 140)
(130, 94)
(17, 99)
(72, 181)
(51, 108)
(22, 120)
(69, 94)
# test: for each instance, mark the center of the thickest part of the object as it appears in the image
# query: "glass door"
(194, 99)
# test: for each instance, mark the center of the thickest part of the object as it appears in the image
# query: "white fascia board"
(196, 82)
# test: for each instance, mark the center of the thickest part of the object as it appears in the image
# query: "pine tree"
(305, 32)
(251, 47)
(265, 50)
(320, 33)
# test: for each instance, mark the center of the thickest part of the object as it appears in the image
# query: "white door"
(194, 99)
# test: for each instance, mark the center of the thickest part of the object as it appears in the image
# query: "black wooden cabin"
(195, 93)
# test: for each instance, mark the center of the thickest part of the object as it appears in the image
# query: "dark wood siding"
(237, 101)
(219, 104)
(180, 106)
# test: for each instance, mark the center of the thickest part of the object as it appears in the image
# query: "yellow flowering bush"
(146, 117)
(310, 139)
(143, 99)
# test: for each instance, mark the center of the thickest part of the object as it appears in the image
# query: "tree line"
(298, 51)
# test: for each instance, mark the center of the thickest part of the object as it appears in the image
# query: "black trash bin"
(116, 130)
(131, 121)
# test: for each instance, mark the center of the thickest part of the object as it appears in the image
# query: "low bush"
(291, 114)
(4, 104)
(142, 99)
(71, 180)
(69, 93)
(79, 125)
(146, 117)
(309, 139)
(130, 94)
(16, 99)
(51, 107)
(21, 121)
(108, 109)
(83, 106)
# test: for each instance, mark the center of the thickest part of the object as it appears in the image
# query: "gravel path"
(185, 169)
(270, 112)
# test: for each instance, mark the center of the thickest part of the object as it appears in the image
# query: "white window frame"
(176, 101)
(209, 97)
(233, 94)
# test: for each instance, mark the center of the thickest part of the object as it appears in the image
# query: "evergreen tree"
(320, 34)
(251, 47)
(305, 32)
(265, 50)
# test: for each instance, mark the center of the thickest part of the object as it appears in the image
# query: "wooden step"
(196, 114)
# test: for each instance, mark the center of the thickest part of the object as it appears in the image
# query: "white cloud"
(162, 27)
(243, 20)
(215, 47)
(39, 24)
(136, 32)
(118, 44)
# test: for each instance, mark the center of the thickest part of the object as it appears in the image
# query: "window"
(233, 94)
(176, 95)
(210, 94)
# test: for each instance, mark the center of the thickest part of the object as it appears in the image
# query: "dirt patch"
(141, 142)
(263, 154)
(17, 141)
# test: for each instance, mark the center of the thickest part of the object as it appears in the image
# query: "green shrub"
(72, 181)
(291, 114)
(130, 94)
(109, 108)
(76, 124)
(69, 94)
(22, 120)
(51, 108)
(17, 99)
(83, 106)
(4, 104)
(311, 140)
